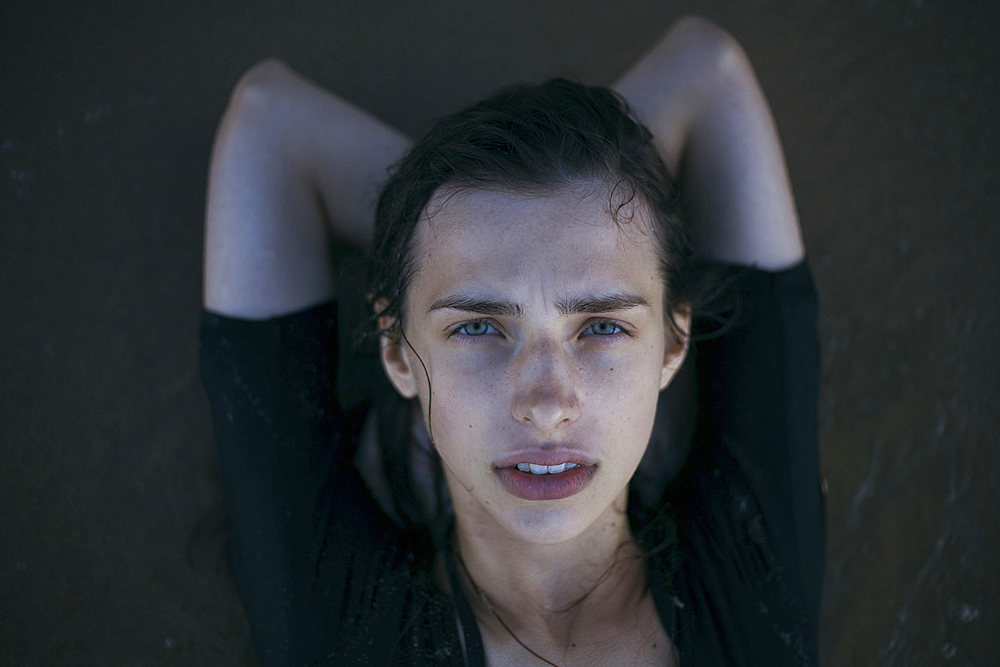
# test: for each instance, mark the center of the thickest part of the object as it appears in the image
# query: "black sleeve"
(285, 448)
(758, 386)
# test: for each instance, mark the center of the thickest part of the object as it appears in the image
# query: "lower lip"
(561, 485)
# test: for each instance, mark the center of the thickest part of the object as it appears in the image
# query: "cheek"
(627, 387)
(623, 411)
(466, 403)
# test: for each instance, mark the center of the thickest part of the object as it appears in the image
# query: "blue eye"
(477, 328)
(604, 328)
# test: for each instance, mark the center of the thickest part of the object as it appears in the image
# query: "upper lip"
(546, 457)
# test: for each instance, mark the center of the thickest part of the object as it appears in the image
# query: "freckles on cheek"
(464, 400)
(624, 390)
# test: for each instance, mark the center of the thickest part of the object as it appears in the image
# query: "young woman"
(529, 295)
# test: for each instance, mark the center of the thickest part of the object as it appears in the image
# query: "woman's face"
(540, 323)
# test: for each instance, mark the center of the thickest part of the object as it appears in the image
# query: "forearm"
(338, 149)
(292, 166)
(698, 94)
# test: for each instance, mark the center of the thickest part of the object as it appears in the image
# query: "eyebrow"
(501, 308)
(601, 304)
(504, 308)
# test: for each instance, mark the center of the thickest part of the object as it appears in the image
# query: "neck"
(548, 587)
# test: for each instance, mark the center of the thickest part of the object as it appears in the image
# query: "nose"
(546, 387)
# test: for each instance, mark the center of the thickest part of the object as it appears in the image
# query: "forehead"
(511, 245)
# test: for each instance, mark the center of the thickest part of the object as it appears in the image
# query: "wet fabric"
(327, 578)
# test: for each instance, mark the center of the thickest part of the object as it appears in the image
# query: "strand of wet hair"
(430, 390)
(489, 605)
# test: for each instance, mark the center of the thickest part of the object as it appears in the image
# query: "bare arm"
(697, 92)
(292, 167)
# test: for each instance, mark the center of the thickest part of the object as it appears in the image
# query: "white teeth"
(536, 469)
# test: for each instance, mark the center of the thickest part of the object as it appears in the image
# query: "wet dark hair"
(528, 139)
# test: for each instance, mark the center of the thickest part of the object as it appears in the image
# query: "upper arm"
(299, 515)
(697, 92)
(758, 392)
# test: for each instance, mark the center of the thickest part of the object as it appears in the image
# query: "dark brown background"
(889, 114)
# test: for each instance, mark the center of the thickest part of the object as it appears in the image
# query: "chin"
(548, 525)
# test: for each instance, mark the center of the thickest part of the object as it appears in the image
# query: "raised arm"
(697, 92)
(758, 383)
(293, 167)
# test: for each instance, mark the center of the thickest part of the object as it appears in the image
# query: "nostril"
(547, 409)
(546, 394)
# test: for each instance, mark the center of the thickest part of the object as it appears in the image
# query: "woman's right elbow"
(703, 32)
(258, 89)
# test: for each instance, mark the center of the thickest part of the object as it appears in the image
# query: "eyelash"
(617, 325)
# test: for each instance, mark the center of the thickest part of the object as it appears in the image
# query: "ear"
(397, 361)
(675, 346)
